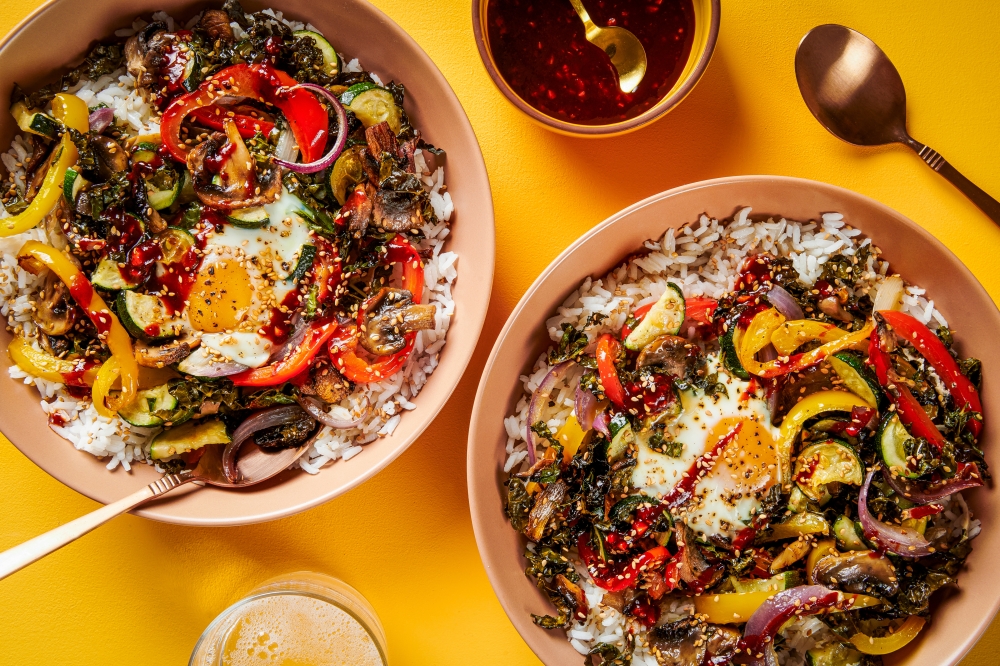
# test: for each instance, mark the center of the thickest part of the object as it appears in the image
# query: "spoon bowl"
(854, 91)
(625, 50)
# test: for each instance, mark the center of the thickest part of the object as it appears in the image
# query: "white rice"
(123, 444)
(704, 258)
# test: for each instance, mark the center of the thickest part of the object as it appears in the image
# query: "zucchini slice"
(35, 122)
(145, 152)
(146, 317)
(798, 525)
(160, 199)
(306, 258)
(819, 465)
(348, 95)
(834, 654)
(892, 437)
(331, 64)
(621, 437)
(140, 413)
(346, 173)
(249, 218)
(175, 243)
(850, 367)
(188, 437)
(664, 318)
(846, 531)
(73, 182)
(107, 276)
(374, 106)
(728, 344)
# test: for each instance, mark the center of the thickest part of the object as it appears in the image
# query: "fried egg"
(243, 275)
(730, 493)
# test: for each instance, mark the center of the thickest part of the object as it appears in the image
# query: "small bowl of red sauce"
(537, 54)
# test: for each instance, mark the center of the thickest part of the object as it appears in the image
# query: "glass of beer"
(300, 619)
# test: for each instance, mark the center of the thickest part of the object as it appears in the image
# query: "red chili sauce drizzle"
(541, 50)
(81, 290)
(174, 285)
(75, 376)
(214, 162)
(176, 63)
(756, 271)
(279, 324)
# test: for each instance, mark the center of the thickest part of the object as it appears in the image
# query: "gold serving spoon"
(854, 91)
(253, 466)
(624, 49)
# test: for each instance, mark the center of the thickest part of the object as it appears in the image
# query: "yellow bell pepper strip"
(41, 364)
(72, 112)
(793, 334)
(760, 332)
(805, 409)
(737, 607)
(822, 548)
(903, 635)
(34, 257)
(570, 436)
(101, 391)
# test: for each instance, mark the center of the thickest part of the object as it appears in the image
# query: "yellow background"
(140, 592)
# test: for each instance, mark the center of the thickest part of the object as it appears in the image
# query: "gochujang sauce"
(541, 50)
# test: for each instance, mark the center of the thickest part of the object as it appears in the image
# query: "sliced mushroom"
(111, 158)
(397, 211)
(56, 223)
(832, 307)
(690, 642)
(160, 356)
(389, 316)
(676, 355)
(861, 572)
(241, 185)
(215, 23)
(146, 54)
(324, 382)
(55, 312)
(357, 209)
(574, 596)
(381, 140)
(694, 568)
(545, 509)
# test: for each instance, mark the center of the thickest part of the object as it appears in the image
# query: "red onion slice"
(968, 476)
(338, 144)
(315, 410)
(900, 540)
(768, 619)
(538, 399)
(586, 407)
(601, 424)
(785, 303)
(266, 418)
(100, 119)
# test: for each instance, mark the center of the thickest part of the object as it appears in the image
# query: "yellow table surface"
(140, 592)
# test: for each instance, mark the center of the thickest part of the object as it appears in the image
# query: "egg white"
(723, 503)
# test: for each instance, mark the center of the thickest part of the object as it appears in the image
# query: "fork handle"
(934, 160)
(24, 554)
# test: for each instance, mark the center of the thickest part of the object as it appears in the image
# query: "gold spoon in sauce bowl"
(253, 466)
(856, 93)
(625, 50)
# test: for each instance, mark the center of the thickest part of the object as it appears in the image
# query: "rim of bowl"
(657, 111)
(482, 514)
(160, 510)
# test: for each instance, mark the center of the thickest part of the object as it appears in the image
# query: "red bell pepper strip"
(607, 352)
(400, 251)
(615, 577)
(247, 125)
(306, 117)
(931, 348)
(638, 316)
(700, 310)
(911, 413)
(344, 352)
(295, 361)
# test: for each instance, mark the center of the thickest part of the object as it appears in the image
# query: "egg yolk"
(749, 461)
(220, 297)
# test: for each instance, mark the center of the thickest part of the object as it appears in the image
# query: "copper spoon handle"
(934, 160)
(24, 554)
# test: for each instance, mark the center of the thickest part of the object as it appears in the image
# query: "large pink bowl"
(959, 619)
(359, 30)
